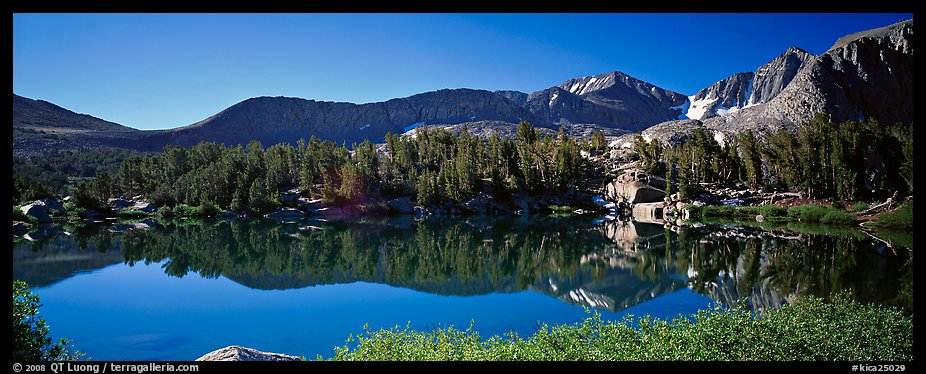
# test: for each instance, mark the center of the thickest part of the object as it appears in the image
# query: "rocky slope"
(39, 125)
(744, 90)
(39, 115)
(282, 119)
(612, 100)
(864, 75)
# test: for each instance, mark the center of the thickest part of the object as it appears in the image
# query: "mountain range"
(868, 74)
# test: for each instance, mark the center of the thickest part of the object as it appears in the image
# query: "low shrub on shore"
(810, 329)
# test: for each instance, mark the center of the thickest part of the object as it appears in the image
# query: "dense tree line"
(432, 166)
(57, 170)
(847, 161)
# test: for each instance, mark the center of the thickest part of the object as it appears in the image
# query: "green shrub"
(560, 208)
(901, 218)
(694, 211)
(772, 210)
(717, 211)
(860, 205)
(71, 209)
(30, 332)
(838, 217)
(184, 210)
(238, 206)
(165, 212)
(746, 211)
(808, 212)
(810, 329)
(208, 209)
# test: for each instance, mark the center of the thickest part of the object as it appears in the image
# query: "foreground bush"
(30, 332)
(811, 329)
(838, 217)
(900, 218)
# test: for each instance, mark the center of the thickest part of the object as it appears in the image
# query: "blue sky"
(153, 71)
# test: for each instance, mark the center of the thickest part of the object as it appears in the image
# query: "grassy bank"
(809, 213)
(810, 329)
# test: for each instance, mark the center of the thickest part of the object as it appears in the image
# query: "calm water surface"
(180, 289)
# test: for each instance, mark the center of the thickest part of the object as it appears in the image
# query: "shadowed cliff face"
(865, 75)
(868, 75)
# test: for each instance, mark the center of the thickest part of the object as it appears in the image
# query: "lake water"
(183, 288)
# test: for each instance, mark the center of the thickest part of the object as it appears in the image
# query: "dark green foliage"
(128, 213)
(93, 193)
(749, 151)
(820, 159)
(772, 210)
(427, 188)
(811, 329)
(598, 141)
(184, 210)
(26, 189)
(30, 332)
(803, 213)
(433, 165)
(717, 211)
(207, 209)
(808, 212)
(55, 169)
(651, 154)
(165, 212)
(900, 218)
(838, 217)
(694, 211)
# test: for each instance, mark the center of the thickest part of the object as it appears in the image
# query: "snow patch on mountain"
(412, 126)
(699, 108)
(683, 107)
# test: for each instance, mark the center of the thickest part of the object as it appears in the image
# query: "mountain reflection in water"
(609, 265)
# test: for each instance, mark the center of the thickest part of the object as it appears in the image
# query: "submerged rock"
(331, 212)
(285, 214)
(50, 203)
(483, 204)
(144, 206)
(239, 353)
(91, 214)
(401, 205)
(120, 203)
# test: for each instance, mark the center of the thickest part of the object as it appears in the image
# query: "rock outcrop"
(635, 187)
(239, 353)
(37, 210)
